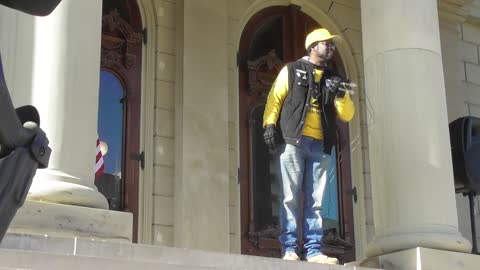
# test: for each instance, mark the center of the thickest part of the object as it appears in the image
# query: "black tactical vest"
(301, 87)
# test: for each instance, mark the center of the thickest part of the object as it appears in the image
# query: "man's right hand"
(269, 137)
(333, 84)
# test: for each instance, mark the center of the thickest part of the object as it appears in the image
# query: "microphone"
(28, 114)
(348, 85)
(350, 91)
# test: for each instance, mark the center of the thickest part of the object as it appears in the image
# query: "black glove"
(332, 86)
(269, 137)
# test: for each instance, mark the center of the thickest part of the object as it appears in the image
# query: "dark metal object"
(464, 140)
(23, 149)
(139, 157)
(473, 170)
(465, 143)
(354, 194)
(471, 200)
(145, 35)
(32, 7)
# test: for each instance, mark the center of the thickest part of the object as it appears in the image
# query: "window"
(110, 133)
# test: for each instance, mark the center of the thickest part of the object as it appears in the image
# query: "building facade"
(194, 75)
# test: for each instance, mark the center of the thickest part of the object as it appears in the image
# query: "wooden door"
(273, 37)
(120, 101)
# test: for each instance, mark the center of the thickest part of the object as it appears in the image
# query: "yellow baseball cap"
(317, 35)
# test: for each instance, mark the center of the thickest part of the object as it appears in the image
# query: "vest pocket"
(300, 80)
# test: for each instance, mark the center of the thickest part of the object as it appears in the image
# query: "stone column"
(53, 63)
(201, 134)
(411, 168)
(65, 86)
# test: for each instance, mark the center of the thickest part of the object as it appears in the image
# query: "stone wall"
(469, 55)
(163, 192)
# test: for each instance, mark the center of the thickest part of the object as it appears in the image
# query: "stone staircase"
(51, 253)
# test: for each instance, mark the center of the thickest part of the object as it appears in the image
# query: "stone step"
(72, 250)
(29, 260)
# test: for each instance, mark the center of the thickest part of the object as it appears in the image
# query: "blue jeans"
(302, 167)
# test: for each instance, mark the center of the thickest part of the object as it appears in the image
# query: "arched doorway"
(271, 38)
(120, 106)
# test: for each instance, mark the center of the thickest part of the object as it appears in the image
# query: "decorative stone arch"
(309, 8)
(343, 48)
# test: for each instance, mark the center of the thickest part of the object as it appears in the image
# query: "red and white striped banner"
(99, 164)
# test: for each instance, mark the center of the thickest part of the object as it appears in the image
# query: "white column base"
(436, 237)
(58, 187)
(61, 220)
(424, 259)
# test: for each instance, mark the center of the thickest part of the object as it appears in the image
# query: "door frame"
(147, 122)
(127, 65)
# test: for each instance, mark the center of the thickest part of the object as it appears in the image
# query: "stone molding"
(146, 176)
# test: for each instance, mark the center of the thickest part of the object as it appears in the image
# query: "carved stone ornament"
(262, 73)
(119, 41)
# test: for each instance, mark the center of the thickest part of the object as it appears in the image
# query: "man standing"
(300, 127)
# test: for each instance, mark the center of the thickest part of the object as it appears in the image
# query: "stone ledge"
(40, 218)
(425, 259)
(11, 260)
(176, 258)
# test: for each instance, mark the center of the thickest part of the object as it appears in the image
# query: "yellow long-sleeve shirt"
(313, 124)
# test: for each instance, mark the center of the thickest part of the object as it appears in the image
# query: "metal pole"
(471, 197)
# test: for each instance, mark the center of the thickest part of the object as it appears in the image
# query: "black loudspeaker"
(465, 143)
